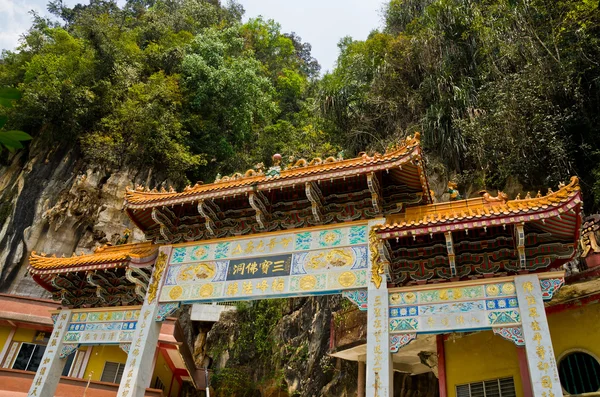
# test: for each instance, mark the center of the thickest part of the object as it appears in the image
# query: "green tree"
(12, 139)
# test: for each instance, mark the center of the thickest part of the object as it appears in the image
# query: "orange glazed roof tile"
(141, 254)
(477, 212)
(305, 172)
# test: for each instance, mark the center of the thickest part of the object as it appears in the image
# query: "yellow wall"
(4, 333)
(99, 356)
(162, 370)
(576, 328)
(484, 356)
(102, 354)
(479, 357)
(25, 335)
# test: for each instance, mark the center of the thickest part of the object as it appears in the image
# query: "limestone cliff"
(51, 202)
(281, 351)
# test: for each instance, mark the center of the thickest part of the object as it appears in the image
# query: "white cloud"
(14, 20)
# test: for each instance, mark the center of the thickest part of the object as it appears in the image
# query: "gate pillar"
(543, 370)
(380, 372)
(140, 359)
(48, 374)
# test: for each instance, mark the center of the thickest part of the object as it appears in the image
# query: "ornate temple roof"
(303, 194)
(110, 276)
(483, 237)
(407, 155)
(489, 211)
(140, 254)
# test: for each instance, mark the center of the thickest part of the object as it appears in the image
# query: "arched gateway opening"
(366, 227)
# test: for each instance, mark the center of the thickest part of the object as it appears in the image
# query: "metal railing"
(229, 303)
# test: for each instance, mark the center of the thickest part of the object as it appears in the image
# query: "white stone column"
(140, 359)
(48, 374)
(380, 373)
(538, 345)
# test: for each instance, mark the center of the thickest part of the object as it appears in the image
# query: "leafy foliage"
(180, 86)
(500, 89)
(12, 139)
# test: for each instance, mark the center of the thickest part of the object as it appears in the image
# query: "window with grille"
(158, 384)
(29, 357)
(113, 372)
(503, 387)
(579, 373)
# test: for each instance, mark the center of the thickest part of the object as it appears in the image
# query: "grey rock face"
(52, 202)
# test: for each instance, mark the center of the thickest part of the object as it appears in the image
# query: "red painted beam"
(441, 364)
(177, 372)
(524, 370)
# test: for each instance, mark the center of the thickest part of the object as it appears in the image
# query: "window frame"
(566, 353)
(16, 356)
(119, 366)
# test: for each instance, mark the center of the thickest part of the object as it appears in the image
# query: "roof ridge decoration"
(407, 150)
(141, 254)
(421, 219)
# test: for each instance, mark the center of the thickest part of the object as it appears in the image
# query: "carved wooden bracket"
(314, 195)
(451, 254)
(209, 216)
(259, 203)
(165, 224)
(520, 237)
(376, 194)
(141, 281)
(100, 291)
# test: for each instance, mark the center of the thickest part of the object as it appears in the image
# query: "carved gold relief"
(376, 262)
(508, 288)
(159, 268)
(492, 290)
(410, 297)
(340, 257)
(201, 271)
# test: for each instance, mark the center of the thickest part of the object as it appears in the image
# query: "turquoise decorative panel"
(455, 308)
(307, 262)
(102, 327)
(492, 305)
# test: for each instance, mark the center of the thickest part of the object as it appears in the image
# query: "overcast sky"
(320, 22)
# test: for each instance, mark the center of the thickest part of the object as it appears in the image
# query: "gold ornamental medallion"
(347, 279)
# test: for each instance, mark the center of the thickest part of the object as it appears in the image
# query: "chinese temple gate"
(367, 227)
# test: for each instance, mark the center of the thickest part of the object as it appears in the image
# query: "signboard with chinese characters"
(307, 262)
(108, 326)
(538, 345)
(463, 306)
